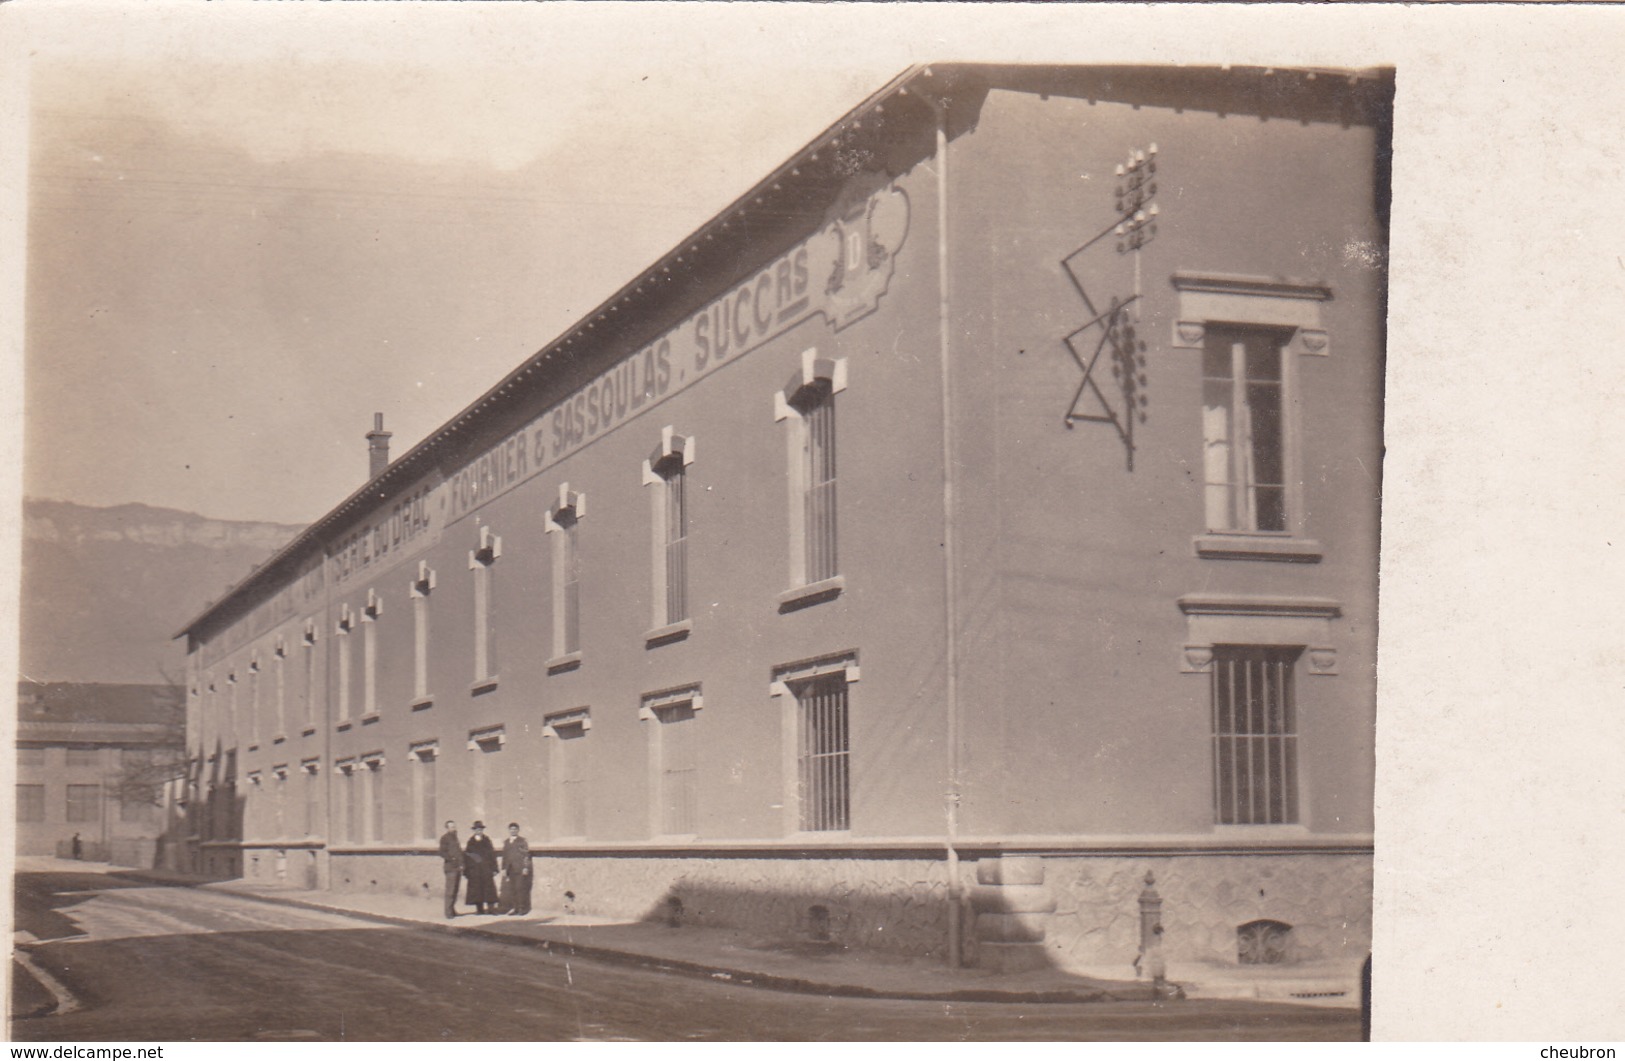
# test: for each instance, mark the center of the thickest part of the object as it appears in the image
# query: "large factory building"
(977, 516)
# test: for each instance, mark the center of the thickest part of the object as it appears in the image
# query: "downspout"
(949, 582)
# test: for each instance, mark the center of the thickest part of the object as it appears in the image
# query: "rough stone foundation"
(900, 905)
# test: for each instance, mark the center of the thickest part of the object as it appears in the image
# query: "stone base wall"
(1325, 898)
(896, 905)
(900, 905)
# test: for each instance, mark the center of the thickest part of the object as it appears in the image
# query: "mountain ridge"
(103, 588)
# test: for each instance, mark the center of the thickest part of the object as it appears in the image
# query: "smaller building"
(91, 761)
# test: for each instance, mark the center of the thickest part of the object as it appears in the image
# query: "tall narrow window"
(823, 750)
(375, 797)
(807, 403)
(480, 561)
(280, 661)
(563, 524)
(424, 758)
(308, 651)
(674, 758)
(486, 744)
(342, 629)
(231, 708)
(311, 768)
(666, 471)
(819, 504)
(1255, 735)
(419, 589)
(254, 699)
(279, 797)
(348, 800)
(1243, 427)
(370, 614)
(568, 771)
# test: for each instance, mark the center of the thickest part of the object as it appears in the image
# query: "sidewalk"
(739, 957)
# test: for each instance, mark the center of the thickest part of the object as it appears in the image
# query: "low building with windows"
(978, 515)
(91, 763)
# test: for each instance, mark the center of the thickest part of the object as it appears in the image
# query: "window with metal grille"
(679, 769)
(1255, 736)
(816, 403)
(675, 510)
(1243, 428)
(822, 755)
(30, 803)
(84, 803)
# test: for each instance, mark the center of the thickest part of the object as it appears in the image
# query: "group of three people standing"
(479, 862)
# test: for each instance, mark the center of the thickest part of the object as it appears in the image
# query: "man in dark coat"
(451, 856)
(516, 872)
(480, 867)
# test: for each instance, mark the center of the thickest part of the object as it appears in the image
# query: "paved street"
(147, 962)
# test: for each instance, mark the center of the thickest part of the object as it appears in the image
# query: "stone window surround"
(1269, 302)
(812, 369)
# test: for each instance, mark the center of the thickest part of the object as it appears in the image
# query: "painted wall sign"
(411, 524)
(840, 273)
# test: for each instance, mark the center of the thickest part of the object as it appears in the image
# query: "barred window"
(1255, 735)
(817, 406)
(822, 755)
(674, 757)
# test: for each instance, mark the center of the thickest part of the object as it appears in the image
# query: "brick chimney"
(377, 447)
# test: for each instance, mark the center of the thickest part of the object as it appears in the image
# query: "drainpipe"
(949, 582)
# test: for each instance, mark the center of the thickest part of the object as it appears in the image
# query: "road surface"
(153, 963)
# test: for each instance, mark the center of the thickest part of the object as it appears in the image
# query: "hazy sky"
(233, 265)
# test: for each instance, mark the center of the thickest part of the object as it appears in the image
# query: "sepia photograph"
(703, 522)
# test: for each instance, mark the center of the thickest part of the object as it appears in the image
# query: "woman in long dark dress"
(480, 867)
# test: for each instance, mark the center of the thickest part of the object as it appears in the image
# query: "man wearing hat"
(516, 875)
(451, 856)
(480, 867)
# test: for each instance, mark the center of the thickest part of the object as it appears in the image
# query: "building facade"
(978, 515)
(90, 763)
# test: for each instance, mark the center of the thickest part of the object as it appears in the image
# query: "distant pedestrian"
(480, 867)
(78, 847)
(516, 872)
(451, 856)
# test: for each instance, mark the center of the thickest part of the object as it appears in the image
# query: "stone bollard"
(1012, 907)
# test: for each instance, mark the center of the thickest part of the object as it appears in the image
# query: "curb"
(698, 970)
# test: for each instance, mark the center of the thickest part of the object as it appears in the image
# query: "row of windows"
(814, 543)
(1254, 758)
(83, 804)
